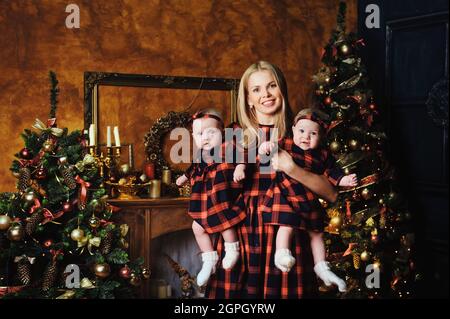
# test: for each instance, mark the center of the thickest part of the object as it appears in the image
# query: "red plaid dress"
(288, 202)
(255, 275)
(213, 194)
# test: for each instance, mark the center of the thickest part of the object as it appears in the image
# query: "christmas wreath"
(154, 138)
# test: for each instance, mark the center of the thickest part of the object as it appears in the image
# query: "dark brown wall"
(175, 37)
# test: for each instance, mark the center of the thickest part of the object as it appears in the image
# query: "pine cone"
(33, 222)
(106, 244)
(50, 275)
(68, 177)
(24, 272)
(24, 178)
(356, 261)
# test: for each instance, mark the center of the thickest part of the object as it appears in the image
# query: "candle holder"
(128, 188)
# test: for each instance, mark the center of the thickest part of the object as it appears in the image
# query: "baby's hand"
(239, 173)
(349, 180)
(181, 180)
(266, 148)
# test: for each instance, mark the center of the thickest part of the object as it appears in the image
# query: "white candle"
(91, 135)
(108, 136)
(116, 136)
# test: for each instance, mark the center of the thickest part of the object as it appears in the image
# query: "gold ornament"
(340, 115)
(15, 233)
(29, 197)
(77, 234)
(370, 222)
(94, 222)
(124, 169)
(381, 201)
(344, 49)
(336, 222)
(365, 255)
(48, 146)
(366, 194)
(353, 144)
(392, 196)
(135, 280)
(323, 203)
(347, 171)
(356, 261)
(5, 222)
(86, 283)
(102, 270)
(335, 146)
(145, 272)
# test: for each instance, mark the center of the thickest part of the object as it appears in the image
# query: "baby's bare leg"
(231, 248)
(283, 256)
(202, 237)
(317, 246)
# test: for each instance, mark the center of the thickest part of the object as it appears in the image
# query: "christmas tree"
(370, 229)
(57, 238)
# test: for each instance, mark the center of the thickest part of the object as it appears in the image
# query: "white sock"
(284, 259)
(209, 259)
(231, 255)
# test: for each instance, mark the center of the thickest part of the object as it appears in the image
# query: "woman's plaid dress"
(289, 202)
(255, 275)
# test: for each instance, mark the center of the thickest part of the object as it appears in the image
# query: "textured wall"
(176, 37)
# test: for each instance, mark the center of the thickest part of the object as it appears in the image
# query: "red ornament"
(48, 243)
(327, 100)
(372, 106)
(25, 153)
(67, 207)
(41, 173)
(125, 272)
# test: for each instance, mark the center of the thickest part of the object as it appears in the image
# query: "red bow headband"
(315, 118)
(201, 114)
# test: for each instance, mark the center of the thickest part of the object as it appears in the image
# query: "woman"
(263, 105)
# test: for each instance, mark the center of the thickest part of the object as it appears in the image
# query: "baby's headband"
(313, 116)
(202, 114)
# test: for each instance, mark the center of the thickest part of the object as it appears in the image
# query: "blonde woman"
(263, 108)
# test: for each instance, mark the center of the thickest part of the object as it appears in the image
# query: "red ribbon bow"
(83, 191)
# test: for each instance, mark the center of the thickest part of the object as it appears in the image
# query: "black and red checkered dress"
(255, 274)
(213, 194)
(288, 202)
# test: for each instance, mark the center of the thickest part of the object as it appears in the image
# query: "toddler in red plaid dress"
(213, 193)
(308, 129)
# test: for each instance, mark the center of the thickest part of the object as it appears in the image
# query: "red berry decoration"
(41, 173)
(327, 100)
(25, 153)
(48, 243)
(125, 272)
(67, 207)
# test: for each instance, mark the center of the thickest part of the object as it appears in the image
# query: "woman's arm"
(318, 184)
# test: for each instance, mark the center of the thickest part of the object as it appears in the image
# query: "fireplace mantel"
(148, 219)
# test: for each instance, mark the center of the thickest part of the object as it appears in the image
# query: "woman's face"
(206, 133)
(264, 95)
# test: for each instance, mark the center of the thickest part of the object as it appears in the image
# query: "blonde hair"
(247, 116)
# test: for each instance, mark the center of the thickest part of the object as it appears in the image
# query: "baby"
(295, 203)
(213, 193)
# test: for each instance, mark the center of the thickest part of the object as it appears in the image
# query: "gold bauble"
(48, 146)
(344, 49)
(123, 243)
(340, 115)
(124, 169)
(353, 144)
(335, 146)
(366, 193)
(145, 272)
(336, 221)
(94, 222)
(15, 233)
(365, 255)
(135, 280)
(381, 201)
(5, 222)
(392, 196)
(347, 171)
(102, 270)
(29, 197)
(77, 234)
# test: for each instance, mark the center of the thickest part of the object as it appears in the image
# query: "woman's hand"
(282, 161)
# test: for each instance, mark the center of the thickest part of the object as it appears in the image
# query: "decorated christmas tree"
(57, 235)
(370, 229)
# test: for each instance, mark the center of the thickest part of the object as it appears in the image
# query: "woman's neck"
(265, 119)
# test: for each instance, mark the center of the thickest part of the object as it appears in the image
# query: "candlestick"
(130, 156)
(108, 136)
(91, 135)
(155, 188)
(166, 176)
(116, 136)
